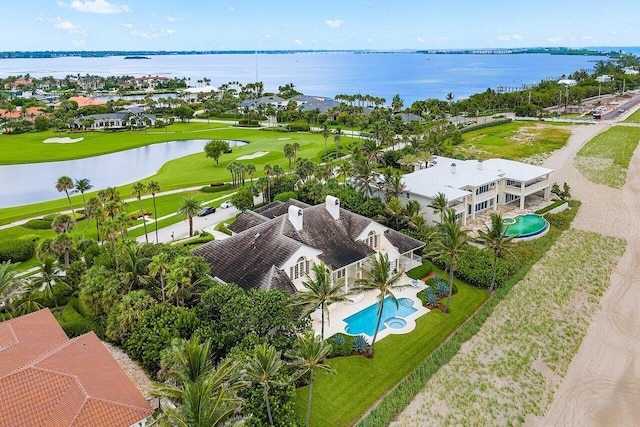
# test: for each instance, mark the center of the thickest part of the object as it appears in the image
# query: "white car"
(226, 204)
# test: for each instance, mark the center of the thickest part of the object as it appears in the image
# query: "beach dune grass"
(605, 158)
(341, 399)
(515, 141)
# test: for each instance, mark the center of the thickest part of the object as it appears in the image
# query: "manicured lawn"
(634, 118)
(515, 141)
(339, 400)
(605, 159)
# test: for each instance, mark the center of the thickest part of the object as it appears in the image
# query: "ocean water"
(412, 76)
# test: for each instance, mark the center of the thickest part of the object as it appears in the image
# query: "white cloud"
(144, 34)
(97, 6)
(127, 26)
(267, 36)
(554, 39)
(169, 31)
(509, 38)
(587, 38)
(62, 25)
(333, 24)
(79, 43)
(298, 42)
(444, 39)
(171, 19)
(420, 40)
(231, 8)
(369, 40)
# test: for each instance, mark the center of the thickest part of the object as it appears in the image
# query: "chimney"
(333, 206)
(479, 165)
(453, 168)
(295, 217)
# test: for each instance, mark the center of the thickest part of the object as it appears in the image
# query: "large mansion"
(474, 186)
(276, 246)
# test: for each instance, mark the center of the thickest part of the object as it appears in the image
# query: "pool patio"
(340, 311)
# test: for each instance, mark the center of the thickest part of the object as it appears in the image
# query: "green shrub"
(421, 271)
(341, 345)
(18, 250)
(298, 126)
(360, 344)
(204, 237)
(38, 224)
(283, 197)
(485, 125)
(562, 220)
(73, 323)
(476, 267)
(216, 188)
(50, 217)
(137, 214)
(223, 229)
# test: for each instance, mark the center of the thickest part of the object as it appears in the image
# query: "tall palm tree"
(395, 212)
(449, 243)
(439, 204)
(49, 275)
(320, 292)
(337, 138)
(153, 187)
(83, 185)
(10, 283)
(134, 266)
(288, 153)
(495, 239)
(250, 168)
(264, 367)
(393, 185)
(295, 147)
(326, 131)
(309, 355)
(138, 190)
(378, 277)
(65, 184)
(268, 170)
(189, 207)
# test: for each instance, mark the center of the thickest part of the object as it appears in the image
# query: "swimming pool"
(364, 321)
(523, 226)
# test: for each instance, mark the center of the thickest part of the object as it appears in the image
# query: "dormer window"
(372, 240)
(300, 269)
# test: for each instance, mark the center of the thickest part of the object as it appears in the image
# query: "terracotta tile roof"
(62, 382)
(83, 101)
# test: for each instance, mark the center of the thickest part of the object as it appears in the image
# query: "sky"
(319, 24)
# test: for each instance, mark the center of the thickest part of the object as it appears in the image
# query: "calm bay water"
(36, 182)
(413, 76)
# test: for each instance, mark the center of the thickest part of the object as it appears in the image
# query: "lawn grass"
(605, 159)
(515, 141)
(339, 400)
(634, 118)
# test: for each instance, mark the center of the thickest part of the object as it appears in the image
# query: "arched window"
(300, 269)
(372, 240)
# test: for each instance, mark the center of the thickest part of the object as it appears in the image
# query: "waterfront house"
(474, 186)
(277, 245)
(117, 120)
(48, 379)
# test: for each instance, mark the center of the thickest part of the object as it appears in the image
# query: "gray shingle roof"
(246, 220)
(402, 242)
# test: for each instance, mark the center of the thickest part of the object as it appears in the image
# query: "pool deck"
(340, 311)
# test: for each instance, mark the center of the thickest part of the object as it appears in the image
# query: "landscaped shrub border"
(216, 188)
(400, 396)
(421, 271)
(485, 125)
(551, 207)
(38, 224)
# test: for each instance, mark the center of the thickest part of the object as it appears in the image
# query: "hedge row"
(421, 271)
(485, 125)
(38, 224)
(75, 321)
(397, 399)
(551, 207)
(216, 188)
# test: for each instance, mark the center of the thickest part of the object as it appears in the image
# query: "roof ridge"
(46, 355)
(113, 402)
(15, 338)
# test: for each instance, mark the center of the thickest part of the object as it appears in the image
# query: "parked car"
(206, 211)
(226, 204)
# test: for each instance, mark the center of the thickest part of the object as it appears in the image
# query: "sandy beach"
(602, 384)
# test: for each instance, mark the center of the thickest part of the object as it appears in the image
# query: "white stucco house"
(277, 245)
(474, 186)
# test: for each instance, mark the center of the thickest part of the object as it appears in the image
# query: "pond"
(36, 182)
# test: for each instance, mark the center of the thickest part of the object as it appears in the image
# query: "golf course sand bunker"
(65, 140)
(253, 156)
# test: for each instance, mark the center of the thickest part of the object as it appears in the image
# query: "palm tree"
(159, 267)
(264, 367)
(153, 187)
(320, 292)
(10, 283)
(250, 168)
(134, 266)
(268, 170)
(393, 185)
(295, 147)
(48, 276)
(378, 277)
(205, 396)
(65, 184)
(309, 355)
(138, 190)
(288, 153)
(83, 185)
(395, 212)
(449, 244)
(92, 209)
(496, 240)
(439, 204)
(326, 131)
(189, 207)
(337, 137)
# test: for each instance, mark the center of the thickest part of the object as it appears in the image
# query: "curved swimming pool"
(523, 226)
(364, 321)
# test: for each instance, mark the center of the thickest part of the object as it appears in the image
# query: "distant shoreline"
(490, 51)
